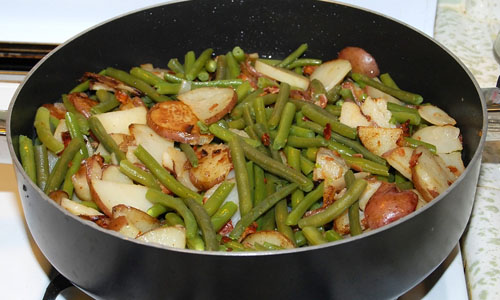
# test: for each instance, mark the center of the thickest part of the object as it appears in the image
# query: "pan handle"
(3, 122)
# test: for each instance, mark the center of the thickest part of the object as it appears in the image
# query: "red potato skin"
(361, 61)
(388, 204)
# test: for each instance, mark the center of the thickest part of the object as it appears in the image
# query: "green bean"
(203, 76)
(238, 109)
(251, 133)
(300, 120)
(260, 209)
(337, 208)
(136, 83)
(333, 94)
(305, 204)
(242, 179)
(301, 62)
(90, 204)
(223, 215)
(301, 132)
(310, 153)
(269, 61)
(138, 175)
(42, 127)
(155, 196)
(237, 124)
(293, 56)
(305, 142)
(221, 71)
(260, 185)
(277, 168)
(393, 107)
(279, 105)
(404, 96)
(235, 246)
(58, 174)
(306, 166)
(171, 78)
(28, 157)
(146, 76)
(260, 131)
(218, 83)
(196, 243)
(406, 185)
(233, 68)
(82, 87)
(387, 80)
(74, 131)
(402, 117)
(193, 71)
(264, 82)
(227, 135)
(107, 102)
(42, 165)
(332, 236)
(281, 213)
(333, 109)
(323, 117)
(217, 198)
(189, 59)
(203, 220)
(156, 210)
(361, 164)
(175, 65)
(313, 235)
(164, 176)
(82, 121)
(284, 126)
(190, 154)
(243, 90)
(211, 65)
(300, 239)
(247, 116)
(353, 212)
(413, 143)
(293, 158)
(173, 219)
(67, 186)
(54, 122)
(100, 133)
(340, 148)
(238, 54)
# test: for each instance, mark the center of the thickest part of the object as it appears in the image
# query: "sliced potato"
(210, 104)
(453, 161)
(214, 164)
(122, 226)
(175, 121)
(150, 140)
(131, 156)
(119, 121)
(332, 72)
(351, 115)
(80, 184)
(361, 61)
(171, 236)
(445, 138)
(269, 236)
(428, 176)
(435, 115)
(379, 140)
(329, 166)
(371, 188)
(175, 161)
(399, 158)
(79, 209)
(377, 110)
(282, 75)
(108, 194)
(137, 218)
(113, 173)
(341, 223)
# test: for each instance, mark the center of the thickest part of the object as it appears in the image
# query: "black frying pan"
(383, 263)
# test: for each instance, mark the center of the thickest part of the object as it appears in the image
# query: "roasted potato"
(214, 163)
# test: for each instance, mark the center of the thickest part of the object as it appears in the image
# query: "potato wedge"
(175, 161)
(399, 158)
(271, 237)
(210, 104)
(341, 223)
(122, 225)
(113, 173)
(361, 61)
(445, 138)
(137, 218)
(108, 194)
(377, 110)
(79, 209)
(371, 188)
(282, 75)
(429, 177)
(453, 161)
(119, 121)
(379, 140)
(329, 166)
(332, 72)
(435, 115)
(214, 163)
(171, 236)
(351, 115)
(80, 184)
(153, 143)
(175, 121)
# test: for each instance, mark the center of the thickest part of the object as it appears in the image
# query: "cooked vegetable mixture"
(235, 152)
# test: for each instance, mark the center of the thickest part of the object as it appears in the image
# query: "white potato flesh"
(374, 93)
(102, 151)
(351, 115)
(329, 166)
(80, 184)
(332, 72)
(175, 161)
(435, 115)
(79, 209)
(150, 140)
(339, 184)
(131, 156)
(429, 178)
(453, 161)
(445, 138)
(399, 158)
(113, 173)
(379, 140)
(108, 194)
(61, 127)
(282, 75)
(210, 104)
(271, 237)
(370, 189)
(119, 121)
(135, 217)
(376, 109)
(341, 223)
(421, 201)
(122, 226)
(171, 236)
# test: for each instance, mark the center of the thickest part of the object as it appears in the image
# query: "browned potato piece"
(137, 218)
(210, 104)
(122, 225)
(57, 196)
(174, 120)
(361, 61)
(270, 236)
(379, 140)
(389, 204)
(214, 163)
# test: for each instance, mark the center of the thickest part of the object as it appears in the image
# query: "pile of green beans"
(273, 140)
